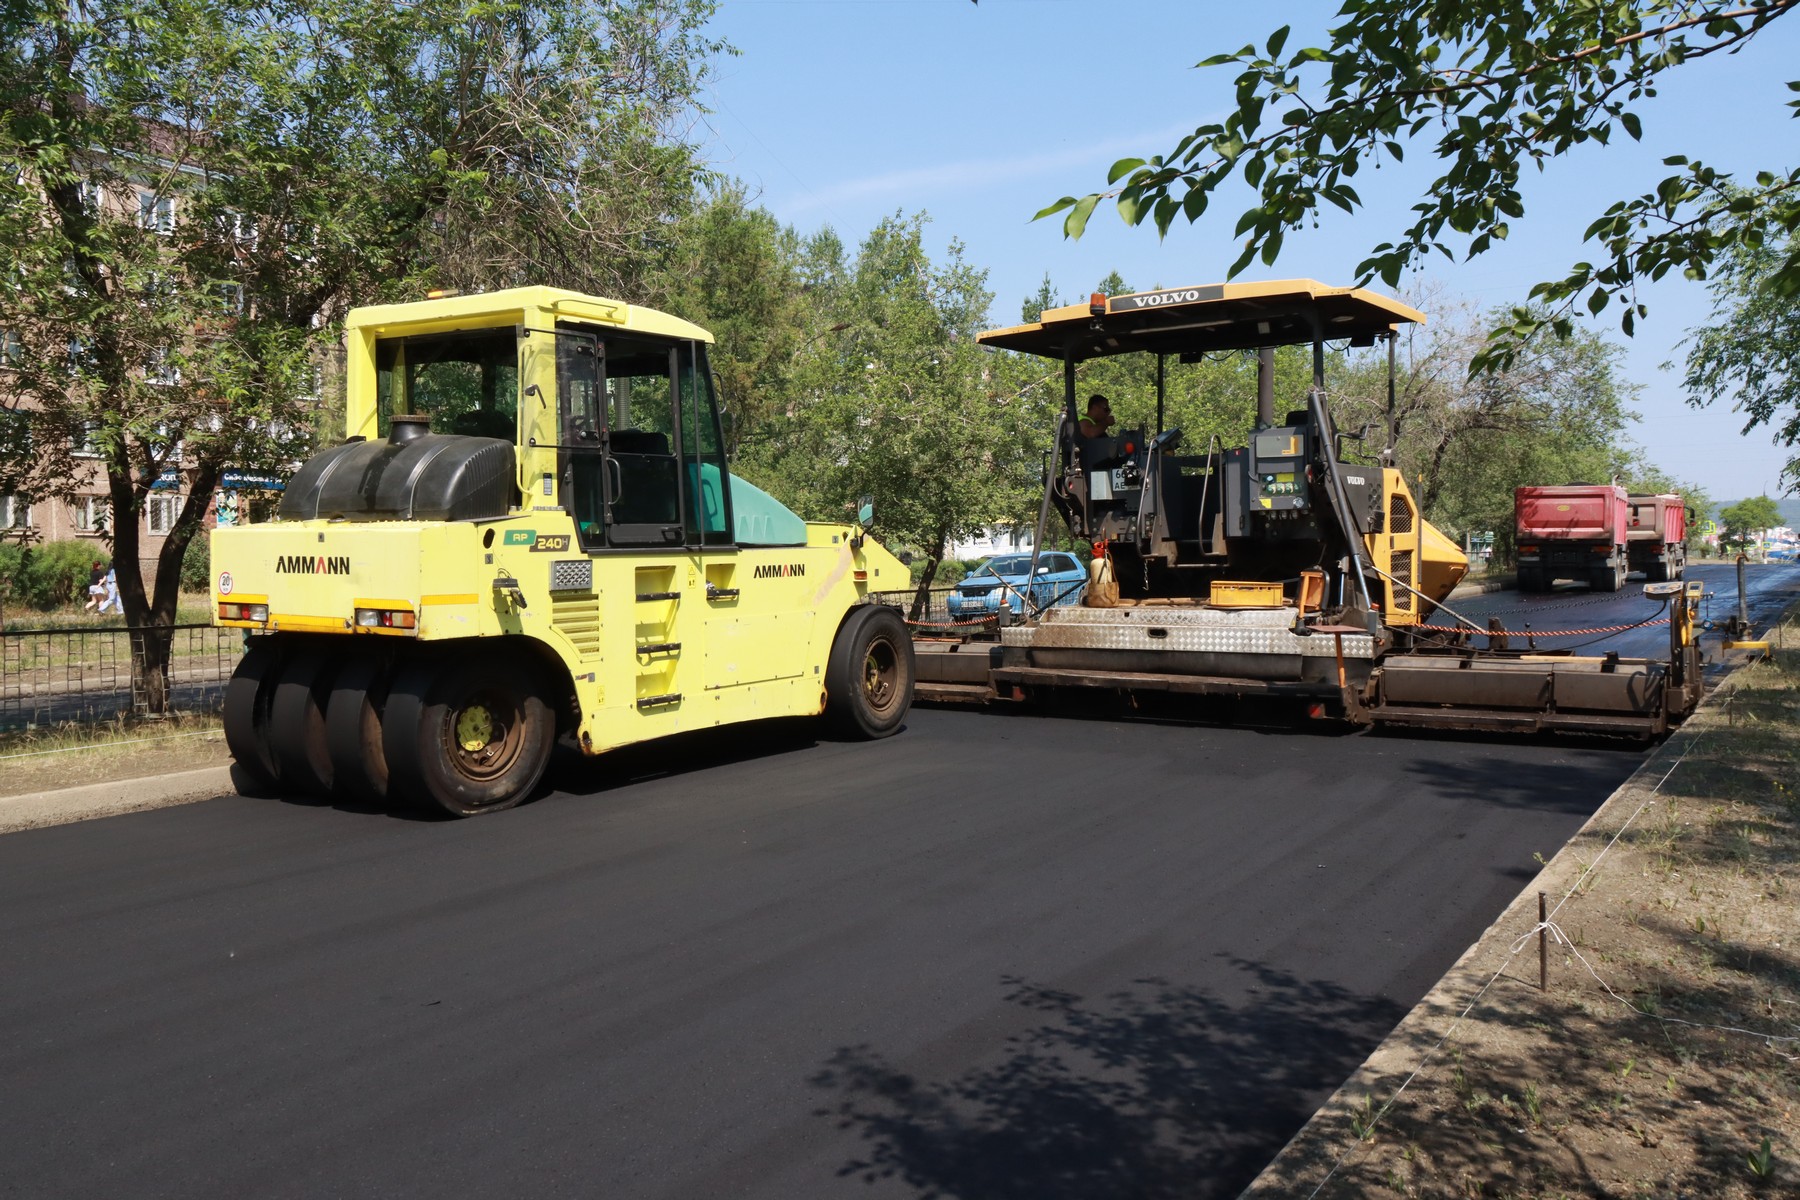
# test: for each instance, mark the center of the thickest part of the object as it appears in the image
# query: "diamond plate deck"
(1180, 630)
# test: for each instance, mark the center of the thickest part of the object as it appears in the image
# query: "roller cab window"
(642, 459)
(466, 382)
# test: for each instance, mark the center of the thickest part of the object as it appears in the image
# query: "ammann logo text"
(779, 570)
(308, 564)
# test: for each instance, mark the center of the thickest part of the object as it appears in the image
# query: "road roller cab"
(529, 530)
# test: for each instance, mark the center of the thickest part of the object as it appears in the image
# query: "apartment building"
(83, 511)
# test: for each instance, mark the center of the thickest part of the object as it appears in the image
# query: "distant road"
(1770, 587)
(997, 955)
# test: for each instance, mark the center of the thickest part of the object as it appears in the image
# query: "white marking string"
(1430, 1055)
(1562, 939)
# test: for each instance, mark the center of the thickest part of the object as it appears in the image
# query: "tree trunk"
(150, 614)
(922, 597)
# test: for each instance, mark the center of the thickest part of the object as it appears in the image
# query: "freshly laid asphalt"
(994, 956)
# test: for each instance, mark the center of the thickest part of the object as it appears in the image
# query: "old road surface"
(995, 956)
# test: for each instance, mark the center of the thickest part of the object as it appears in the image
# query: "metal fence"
(935, 616)
(51, 675)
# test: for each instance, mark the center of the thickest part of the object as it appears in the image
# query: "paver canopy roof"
(1217, 316)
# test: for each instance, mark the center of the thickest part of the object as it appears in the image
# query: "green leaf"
(1271, 249)
(1065, 202)
(1243, 260)
(1632, 125)
(1166, 208)
(1122, 168)
(1131, 209)
(1277, 40)
(1075, 224)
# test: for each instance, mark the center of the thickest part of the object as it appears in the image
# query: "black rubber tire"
(297, 720)
(1656, 572)
(869, 676)
(248, 698)
(353, 729)
(1608, 579)
(420, 736)
(1530, 581)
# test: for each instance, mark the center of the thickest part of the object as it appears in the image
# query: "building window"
(161, 371)
(15, 434)
(231, 297)
(91, 513)
(242, 229)
(12, 350)
(82, 442)
(156, 212)
(160, 514)
(14, 513)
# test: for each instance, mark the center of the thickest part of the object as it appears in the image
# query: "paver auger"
(531, 530)
(1279, 568)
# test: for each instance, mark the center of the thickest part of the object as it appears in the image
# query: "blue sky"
(840, 112)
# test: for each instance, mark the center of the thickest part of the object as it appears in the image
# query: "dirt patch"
(39, 762)
(1653, 1064)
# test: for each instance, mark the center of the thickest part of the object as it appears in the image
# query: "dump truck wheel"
(869, 678)
(247, 701)
(467, 735)
(297, 721)
(353, 730)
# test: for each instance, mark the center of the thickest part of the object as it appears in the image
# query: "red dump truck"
(1573, 532)
(1656, 535)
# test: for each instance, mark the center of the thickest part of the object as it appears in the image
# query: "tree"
(1745, 521)
(1033, 307)
(1558, 414)
(893, 399)
(193, 191)
(1749, 351)
(733, 269)
(1500, 88)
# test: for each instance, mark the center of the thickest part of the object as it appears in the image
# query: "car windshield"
(1007, 566)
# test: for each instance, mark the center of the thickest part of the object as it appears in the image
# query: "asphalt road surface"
(995, 956)
(1768, 589)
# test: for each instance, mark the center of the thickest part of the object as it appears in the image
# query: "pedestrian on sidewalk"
(111, 599)
(96, 587)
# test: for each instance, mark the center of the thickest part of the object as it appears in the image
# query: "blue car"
(1008, 580)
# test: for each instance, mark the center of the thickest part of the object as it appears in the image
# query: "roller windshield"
(465, 382)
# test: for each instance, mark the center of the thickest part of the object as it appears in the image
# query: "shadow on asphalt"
(678, 754)
(1251, 714)
(1162, 1090)
(1557, 785)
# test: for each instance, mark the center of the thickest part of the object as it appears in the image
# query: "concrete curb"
(1311, 1156)
(1502, 583)
(35, 810)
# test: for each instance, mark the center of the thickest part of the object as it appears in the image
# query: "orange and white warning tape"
(1542, 633)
